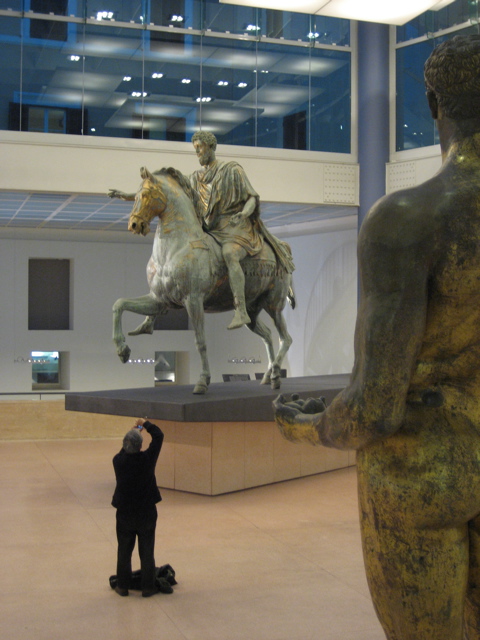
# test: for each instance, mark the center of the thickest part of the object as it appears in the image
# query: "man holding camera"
(135, 498)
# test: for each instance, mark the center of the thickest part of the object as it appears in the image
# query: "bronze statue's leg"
(232, 254)
(285, 342)
(472, 608)
(194, 307)
(258, 327)
(417, 577)
(146, 327)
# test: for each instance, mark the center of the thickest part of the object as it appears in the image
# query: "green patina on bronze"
(412, 408)
(187, 269)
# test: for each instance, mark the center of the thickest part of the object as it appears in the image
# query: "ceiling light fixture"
(104, 15)
(127, 78)
(388, 11)
(222, 83)
(157, 75)
(74, 58)
(186, 81)
(203, 99)
(139, 94)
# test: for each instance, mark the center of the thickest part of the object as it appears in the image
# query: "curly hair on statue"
(205, 136)
(452, 75)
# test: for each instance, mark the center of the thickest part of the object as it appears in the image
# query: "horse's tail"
(291, 297)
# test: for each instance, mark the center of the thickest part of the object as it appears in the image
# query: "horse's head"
(150, 201)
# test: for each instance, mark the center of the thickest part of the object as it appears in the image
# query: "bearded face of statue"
(205, 153)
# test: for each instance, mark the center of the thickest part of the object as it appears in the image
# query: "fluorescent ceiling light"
(386, 11)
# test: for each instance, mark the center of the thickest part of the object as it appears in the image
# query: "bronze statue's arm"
(114, 193)
(246, 212)
(394, 264)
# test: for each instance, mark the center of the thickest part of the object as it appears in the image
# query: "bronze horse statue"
(186, 270)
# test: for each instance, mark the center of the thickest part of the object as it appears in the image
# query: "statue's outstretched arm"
(394, 266)
(114, 193)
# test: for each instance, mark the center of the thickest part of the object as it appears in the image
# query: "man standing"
(135, 498)
(412, 407)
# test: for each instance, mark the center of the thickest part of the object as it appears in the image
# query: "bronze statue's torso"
(438, 444)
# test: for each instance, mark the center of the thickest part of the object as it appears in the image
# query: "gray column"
(373, 112)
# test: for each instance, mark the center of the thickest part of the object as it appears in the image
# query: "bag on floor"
(164, 579)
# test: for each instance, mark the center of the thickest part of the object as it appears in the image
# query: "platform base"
(226, 440)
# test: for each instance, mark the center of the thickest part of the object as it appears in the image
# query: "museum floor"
(279, 562)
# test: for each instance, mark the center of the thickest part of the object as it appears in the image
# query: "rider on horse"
(231, 213)
(230, 209)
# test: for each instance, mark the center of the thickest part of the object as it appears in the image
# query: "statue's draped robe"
(224, 189)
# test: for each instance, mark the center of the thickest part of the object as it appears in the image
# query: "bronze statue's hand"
(114, 193)
(285, 416)
(295, 417)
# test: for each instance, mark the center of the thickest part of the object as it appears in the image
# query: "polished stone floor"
(280, 562)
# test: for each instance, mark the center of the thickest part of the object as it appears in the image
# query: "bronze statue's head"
(206, 137)
(452, 78)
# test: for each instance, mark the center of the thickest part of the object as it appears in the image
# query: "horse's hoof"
(200, 389)
(124, 353)
(266, 379)
(275, 383)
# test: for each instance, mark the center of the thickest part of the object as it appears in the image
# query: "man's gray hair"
(132, 442)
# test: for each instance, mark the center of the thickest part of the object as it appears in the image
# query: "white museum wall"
(322, 326)
(43, 162)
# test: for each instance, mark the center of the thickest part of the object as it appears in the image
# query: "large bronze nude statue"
(412, 407)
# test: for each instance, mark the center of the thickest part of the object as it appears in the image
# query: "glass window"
(46, 370)
(111, 80)
(164, 367)
(430, 22)
(414, 124)
(275, 85)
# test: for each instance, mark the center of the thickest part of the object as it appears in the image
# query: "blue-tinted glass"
(113, 81)
(107, 78)
(414, 124)
(215, 16)
(415, 127)
(51, 76)
(14, 5)
(10, 29)
(330, 108)
(172, 84)
(229, 79)
(458, 12)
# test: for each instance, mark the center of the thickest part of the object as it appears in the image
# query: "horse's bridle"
(150, 201)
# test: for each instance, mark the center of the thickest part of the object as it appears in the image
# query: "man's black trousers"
(130, 526)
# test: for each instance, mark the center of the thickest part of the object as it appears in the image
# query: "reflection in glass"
(431, 22)
(164, 366)
(414, 124)
(45, 369)
(253, 77)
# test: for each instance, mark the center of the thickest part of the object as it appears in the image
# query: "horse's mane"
(184, 182)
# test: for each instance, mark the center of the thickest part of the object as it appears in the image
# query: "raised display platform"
(223, 402)
(226, 440)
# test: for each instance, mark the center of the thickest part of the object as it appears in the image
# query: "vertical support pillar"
(373, 112)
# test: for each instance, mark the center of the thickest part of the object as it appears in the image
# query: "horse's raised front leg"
(258, 327)
(194, 307)
(144, 305)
